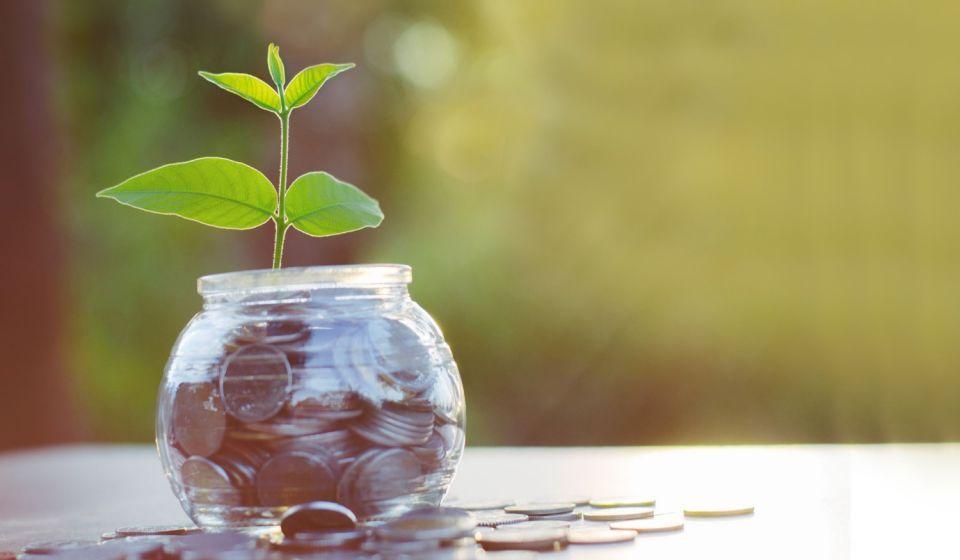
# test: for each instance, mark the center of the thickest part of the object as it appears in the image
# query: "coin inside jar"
(198, 418)
(254, 382)
(207, 482)
(295, 478)
(378, 474)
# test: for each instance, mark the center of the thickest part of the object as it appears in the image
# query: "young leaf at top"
(319, 204)
(305, 84)
(214, 191)
(251, 88)
(275, 65)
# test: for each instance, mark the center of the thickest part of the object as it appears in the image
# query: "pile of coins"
(331, 531)
(362, 413)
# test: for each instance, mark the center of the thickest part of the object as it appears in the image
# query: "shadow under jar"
(305, 384)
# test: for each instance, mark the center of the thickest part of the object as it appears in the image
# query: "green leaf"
(214, 191)
(275, 65)
(251, 88)
(305, 84)
(319, 204)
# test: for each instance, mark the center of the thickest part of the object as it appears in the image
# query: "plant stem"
(281, 218)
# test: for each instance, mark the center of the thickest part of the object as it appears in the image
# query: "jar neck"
(352, 298)
(343, 287)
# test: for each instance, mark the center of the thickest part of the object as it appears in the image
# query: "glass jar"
(305, 384)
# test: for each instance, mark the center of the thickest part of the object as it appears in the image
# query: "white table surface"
(812, 502)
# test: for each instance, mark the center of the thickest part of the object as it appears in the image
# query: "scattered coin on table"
(317, 516)
(155, 530)
(541, 509)
(655, 524)
(497, 518)
(537, 524)
(590, 535)
(530, 539)
(480, 505)
(571, 516)
(618, 514)
(53, 547)
(628, 501)
(717, 510)
(438, 524)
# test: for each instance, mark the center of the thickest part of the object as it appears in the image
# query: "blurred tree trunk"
(34, 390)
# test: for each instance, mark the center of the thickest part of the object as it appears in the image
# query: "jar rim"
(305, 277)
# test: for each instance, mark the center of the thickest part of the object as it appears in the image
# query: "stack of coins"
(360, 413)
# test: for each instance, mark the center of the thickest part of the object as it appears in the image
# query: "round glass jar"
(304, 384)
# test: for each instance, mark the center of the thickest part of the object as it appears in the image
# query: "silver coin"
(317, 516)
(540, 509)
(198, 418)
(480, 505)
(322, 540)
(572, 516)
(295, 478)
(432, 452)
(655, 524)
(625, 501)
(530, 539)
(536, 524)
(405, 361)
(498, 518)
(377, 475)
(207, 482)
(428, 524)
(618, 514)
(254, 382)
(590, 535)
(149, 530)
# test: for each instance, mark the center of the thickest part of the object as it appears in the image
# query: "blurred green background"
(656, 221)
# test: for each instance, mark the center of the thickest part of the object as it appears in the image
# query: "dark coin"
(207, 482)
(378, 474)
(428, 524)
(54, 547)
(317, 516)
(296, 478)
(138, 548)
(270, 332)
(155, 530)
(202, 543)
(199, 420)
(530, 539)
(254, 382)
